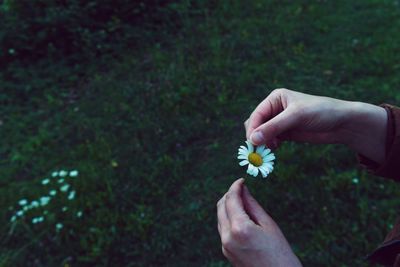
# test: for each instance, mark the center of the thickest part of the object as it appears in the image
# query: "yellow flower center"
(255, 159)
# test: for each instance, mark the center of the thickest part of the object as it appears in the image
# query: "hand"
(290, 115)
(248, 234)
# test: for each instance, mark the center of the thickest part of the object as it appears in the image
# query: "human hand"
(249, 236)
(290, 115)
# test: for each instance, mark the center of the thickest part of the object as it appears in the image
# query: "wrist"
(364, 130)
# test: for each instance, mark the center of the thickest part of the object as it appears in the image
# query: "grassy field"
(153, 132)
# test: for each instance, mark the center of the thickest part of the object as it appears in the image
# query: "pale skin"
(249, 236)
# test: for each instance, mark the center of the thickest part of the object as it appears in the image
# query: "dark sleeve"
(391, 167)
(388, 253)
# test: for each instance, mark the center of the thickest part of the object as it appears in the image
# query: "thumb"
(254, 210)
(284, 121)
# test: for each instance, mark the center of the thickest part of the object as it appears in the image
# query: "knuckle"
(227, 242)
(240, 232)
(280, 91)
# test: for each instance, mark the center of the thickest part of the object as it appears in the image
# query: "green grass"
(154, 134)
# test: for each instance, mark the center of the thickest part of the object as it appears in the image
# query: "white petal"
(255, 172)
(269, 157)
(245, 148)
(265, 152)
(268, 167)
(260, 149)
(250, 169)
(243, 151)
(243, 162)
(264, 172)
(250, 146)
(241, 156)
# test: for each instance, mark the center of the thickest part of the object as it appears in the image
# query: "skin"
(289, 115)
(249, 236)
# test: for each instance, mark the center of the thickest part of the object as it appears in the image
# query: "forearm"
(364, 130)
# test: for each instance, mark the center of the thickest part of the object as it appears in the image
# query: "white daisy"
(59, 226)
(71, 195)
(73, 173)
(23, 202)
(64, 188)
(44, 200)
(259, 160)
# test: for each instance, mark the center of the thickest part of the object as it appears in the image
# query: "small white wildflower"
(44, 200)
(63, 173)
(60, 181)
(64, 188)
(53, 193)
(45, 181)
(34, 204)
(59, 226)
(71, 195)
(64, 209)
(73, 173)
(54, 174)
(23, 202)
(259, 160)
(355, 180)
(37, 219)
(26, 208)
(79, 214)
(19, 213)
(13, 218)
(11, 51)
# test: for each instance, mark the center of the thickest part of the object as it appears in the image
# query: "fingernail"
(257, 138)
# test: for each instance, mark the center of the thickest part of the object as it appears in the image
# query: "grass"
(154, 132)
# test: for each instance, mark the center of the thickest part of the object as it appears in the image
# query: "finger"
(284, 121)
(311, 137)
(234, 205)
(223, 221)
(246, 125)
(254, 209)
(268, 108)
(231, 257)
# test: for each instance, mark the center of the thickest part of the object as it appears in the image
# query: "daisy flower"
(259, 159)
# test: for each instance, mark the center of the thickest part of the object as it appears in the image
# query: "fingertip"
(257, 138)
(237, 185)
(240, 181)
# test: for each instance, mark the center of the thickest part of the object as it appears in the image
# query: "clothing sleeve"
(388, 253)
(390, 168)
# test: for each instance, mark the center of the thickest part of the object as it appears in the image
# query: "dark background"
(147, 100)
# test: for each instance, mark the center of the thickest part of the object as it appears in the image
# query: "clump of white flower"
(36, 211)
